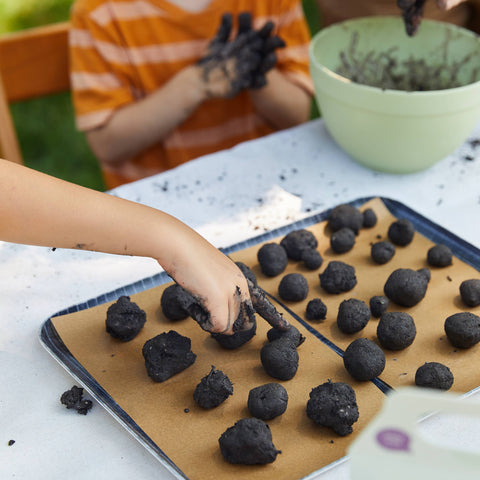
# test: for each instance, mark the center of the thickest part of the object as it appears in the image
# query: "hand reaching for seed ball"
(232, 65)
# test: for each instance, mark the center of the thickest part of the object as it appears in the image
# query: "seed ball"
(342, 240)
(406, 287)
(470, 292)
(248, 442)
(338, 277)
(439, 256)
(292, 334)
(434, 375)
(237, 339)
(378, 305)
(267, 401)
(316, 310)
(173, 302)
(293, 287)
(247, 272)
(213, 389)
(312, 259)
(124, 319)
(364, 359)
(333, 405)
(396, 330)
(369, 218)
(463, 329)
(353, 315)
(280, 359)
(272, 258)
(345, 216)
(382, 252)
(295, 242)
(401, 232)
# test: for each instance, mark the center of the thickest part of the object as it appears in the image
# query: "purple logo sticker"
(394, 439)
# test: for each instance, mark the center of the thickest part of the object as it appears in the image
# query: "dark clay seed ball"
(280, 359)
(237, 339)
(401, 232)
(338, 277)
(396, 330)
(167, 354)
(291, 334)
(333, 405)
(463, 329)
(470, 292)
(125, 319)
(345, 216)
(267, 401)
(353, 315)
(434, 375)
(312, 259)
(293, 287)
(406, 287)
(272, 258)
(213, 389)
(295, 242)
(378, 305)
(364, 359)
(316, 310)
(369, 218)
(382, 252)
(342, 240)
(247, 272)
(439, 256)
(248, 442)
(173, 301)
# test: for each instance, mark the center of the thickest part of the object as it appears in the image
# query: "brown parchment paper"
(190, 439)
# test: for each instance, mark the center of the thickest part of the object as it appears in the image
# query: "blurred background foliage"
(46, 130)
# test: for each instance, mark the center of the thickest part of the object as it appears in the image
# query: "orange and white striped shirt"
(122, 50)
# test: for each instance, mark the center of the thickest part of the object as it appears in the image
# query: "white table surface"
(228, 196)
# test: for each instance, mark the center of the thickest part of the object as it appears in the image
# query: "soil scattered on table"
(73, 399)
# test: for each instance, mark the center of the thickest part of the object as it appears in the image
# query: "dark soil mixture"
(237, 339)
(434, 375)
(384, 70)
(382, 252)
(297, 241)
(342, 240)
(291, 334)
(333, 405)
(248, 442)
(125, 319)
(312, 259)
(174, 301)
(401, 232)
(345, 215)
(378, 305)
(369, 218)
(267, 401)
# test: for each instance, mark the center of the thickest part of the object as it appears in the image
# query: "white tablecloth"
(228, 196)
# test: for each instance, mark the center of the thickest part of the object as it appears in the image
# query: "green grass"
(45, 127)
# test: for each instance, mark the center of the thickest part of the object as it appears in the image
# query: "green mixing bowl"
(394, 130)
